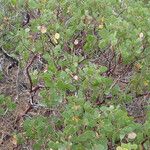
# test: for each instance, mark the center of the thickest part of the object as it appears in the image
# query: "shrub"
(82, 45)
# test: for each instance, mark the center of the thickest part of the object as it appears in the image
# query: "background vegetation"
(75, 75)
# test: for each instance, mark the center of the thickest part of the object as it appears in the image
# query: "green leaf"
(113, 38)
(33, 4)
(2, 111)
(11, 105)
(103, 69)
(99, 147)
(87, 135)
(20, 2)
(14, 2)
(90, 39)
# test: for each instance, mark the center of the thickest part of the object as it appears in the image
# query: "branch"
(143, 94)
(27, 70)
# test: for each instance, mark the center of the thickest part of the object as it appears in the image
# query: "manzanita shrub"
(81, 45)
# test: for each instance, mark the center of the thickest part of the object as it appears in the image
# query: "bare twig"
(114, 83)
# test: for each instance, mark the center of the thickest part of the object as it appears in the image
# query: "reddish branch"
(37, 88)
(27, 70)
(32, 89)
(143, 94)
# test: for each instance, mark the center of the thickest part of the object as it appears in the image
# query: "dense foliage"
(93, 61)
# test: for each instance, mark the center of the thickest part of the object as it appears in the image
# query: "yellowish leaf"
(141, 36)
(69, 137)
(101, 23)
(43, 1)
(132, 135)
(76, 107)
(57, 36)
(55, 40)
(97, 135)
(138, 66)
(76, 42)
(14, 140)
(75, 118)
(101, 26)
(42, 28)
(1, 27)
(45, 68)
(146, 83)
(75, 77)
(68, 9)
(121, 148)
(102, 20)
(6, 19)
